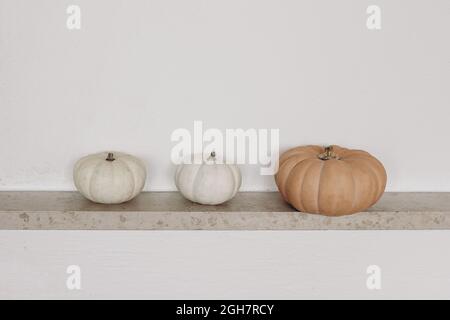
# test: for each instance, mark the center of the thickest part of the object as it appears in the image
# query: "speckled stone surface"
(247, 211)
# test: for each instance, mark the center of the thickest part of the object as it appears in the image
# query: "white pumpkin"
(208, 183)
(109, 178)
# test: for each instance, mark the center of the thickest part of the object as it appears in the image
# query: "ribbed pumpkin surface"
(333, 181)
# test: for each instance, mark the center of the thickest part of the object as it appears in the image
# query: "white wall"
(137, 70)
(225, 265)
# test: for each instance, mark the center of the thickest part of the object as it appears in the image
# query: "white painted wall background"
(137, 70)
(224, 265)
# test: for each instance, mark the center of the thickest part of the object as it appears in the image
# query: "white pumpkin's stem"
(212, 156)
(110, 157)
(328, 154)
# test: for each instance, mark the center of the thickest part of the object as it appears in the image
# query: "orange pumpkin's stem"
(328, 154)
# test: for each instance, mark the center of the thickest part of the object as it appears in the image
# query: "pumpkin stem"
(212, 157)
(328, 154)
(110, 157)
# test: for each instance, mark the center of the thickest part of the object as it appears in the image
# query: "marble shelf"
(247, 211)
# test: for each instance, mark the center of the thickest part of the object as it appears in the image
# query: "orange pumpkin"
(331, 181)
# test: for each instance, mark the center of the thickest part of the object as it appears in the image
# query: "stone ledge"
(247, 211)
